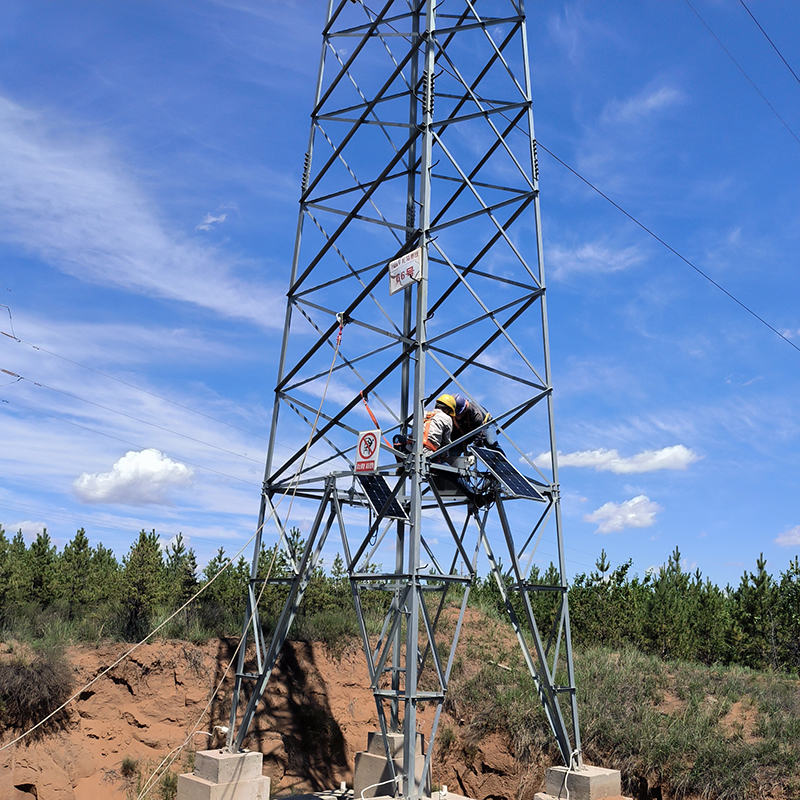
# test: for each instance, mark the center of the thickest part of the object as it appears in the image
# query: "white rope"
(570, 768)
(151, 781)
(128, 653)
(396, 780)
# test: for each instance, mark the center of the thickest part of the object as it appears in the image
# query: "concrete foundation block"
(190, 787)
(220, 766)
(586, 783)
(373, 769)
(375, 744)
(219, 775)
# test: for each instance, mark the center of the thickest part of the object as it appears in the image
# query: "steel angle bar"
(345, 276)
(381, 536)
(488, 314)
(472, 566)
(546, 696)
(336, 420)
(338, 114)
(485, 346)
(452, 376)
(490, 151)
(378, 275)
(441, 176)
(529, 287)
(333, 15)
(295, 403)
(497, 574)
(540, 526)
(301, 300)
(437, 566)
(359, 217)
(437, 661)
(378, 123)
(299, 280)
(304, 470)
(500, 229)
(347, 166)
(498, 107)
(555, 630)
(328, 332)
(458, 540)
(347, 363)
(478, 258)
(368, 29)
(365, 114)
(315, 542)
(383, 38)
(460, 27)
(475, 99)
(360, 185)
(281, 528)
(502, 328)
(489, 64)
(474, 362)
(448, 670)
(557, 718)
(486, 211)
(374, 526)
(487, 22)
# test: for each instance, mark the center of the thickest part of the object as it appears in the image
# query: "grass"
(663, 724)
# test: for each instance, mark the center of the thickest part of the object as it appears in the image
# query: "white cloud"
(138, 478)
(789, 538)
(29, 528)
(643, 105)
(602, 460)
(591, 257)
(72, 204)
(638, 512)
(209, 221)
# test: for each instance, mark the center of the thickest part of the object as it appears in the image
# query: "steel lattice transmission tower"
(421, 137)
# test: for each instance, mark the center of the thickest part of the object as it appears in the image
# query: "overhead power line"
(128, 416)
(741, 69)
(124, 441)
(766, 36)
(669, 247)
(132, 385)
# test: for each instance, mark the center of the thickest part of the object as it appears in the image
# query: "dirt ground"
(316, 716)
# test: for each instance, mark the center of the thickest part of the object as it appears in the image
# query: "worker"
(469, 416)
(437, 427)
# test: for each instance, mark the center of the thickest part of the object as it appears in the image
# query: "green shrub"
(32, 687)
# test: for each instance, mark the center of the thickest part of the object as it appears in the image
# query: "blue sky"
(150, 160)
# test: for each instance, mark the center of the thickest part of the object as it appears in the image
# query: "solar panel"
(514, 482)
(378, 493)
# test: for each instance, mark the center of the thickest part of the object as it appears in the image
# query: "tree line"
(84, 593)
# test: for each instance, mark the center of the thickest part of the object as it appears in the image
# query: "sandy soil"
(316, 716)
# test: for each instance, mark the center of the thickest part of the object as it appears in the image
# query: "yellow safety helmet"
(449, 402)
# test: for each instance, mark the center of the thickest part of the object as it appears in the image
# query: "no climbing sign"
(367, 451)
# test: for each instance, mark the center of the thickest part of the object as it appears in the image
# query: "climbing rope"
(170, 758)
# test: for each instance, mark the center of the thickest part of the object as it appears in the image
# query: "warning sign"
(405, 270)
(367, 451)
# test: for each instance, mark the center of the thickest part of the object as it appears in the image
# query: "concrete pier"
(220, 775)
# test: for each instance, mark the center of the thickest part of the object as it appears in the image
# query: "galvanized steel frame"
(453, 193)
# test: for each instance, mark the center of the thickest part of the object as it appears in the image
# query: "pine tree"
(5, 572)
(40, 570)
(74, 584)
(788, 615)
(180, 572)
(755, 606)
(143, 585)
